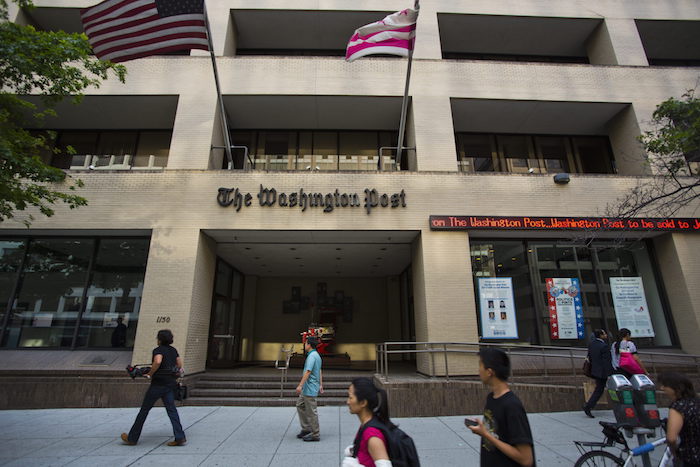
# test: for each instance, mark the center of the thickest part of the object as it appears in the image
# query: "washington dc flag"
(121, 30)
(393, 35)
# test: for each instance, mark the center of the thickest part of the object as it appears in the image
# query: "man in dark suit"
(601, 367)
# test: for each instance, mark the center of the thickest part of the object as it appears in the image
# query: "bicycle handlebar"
(648, 447)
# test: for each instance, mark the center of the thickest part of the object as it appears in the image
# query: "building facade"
(317, 220)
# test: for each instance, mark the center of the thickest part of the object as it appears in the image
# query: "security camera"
(530, 170)
(91, 167)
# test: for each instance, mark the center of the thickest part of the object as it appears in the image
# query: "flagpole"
(404, 103)
(220, 97)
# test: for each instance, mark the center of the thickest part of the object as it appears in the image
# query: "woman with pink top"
(369, 403)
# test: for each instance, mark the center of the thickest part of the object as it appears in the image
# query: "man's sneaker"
(311, 437)
(302, 433)
(178, 442)
(125, 438)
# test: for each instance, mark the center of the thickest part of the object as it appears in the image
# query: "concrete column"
(194, 126)
(177, 294)
(680, 272)
(427, 34)
(623, 36)
(445, 309)
(629, 154)
(600, 48)
(250, 290)
(434, 134)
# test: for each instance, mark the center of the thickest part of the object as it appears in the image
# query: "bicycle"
(614, 436)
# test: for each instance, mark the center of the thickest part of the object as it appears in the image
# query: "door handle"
(224, 336)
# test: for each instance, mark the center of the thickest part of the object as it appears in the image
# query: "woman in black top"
(165, 369)
(683, 418)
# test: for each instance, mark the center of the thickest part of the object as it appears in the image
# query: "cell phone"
(470, 422)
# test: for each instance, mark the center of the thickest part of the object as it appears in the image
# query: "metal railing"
(575, 355)
(324, 163)
(117, 162)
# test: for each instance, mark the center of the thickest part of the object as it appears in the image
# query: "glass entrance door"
(224, 328)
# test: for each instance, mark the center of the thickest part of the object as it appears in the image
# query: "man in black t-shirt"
(164, 372)
(506, 438)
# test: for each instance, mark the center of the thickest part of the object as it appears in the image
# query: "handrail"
(384, 350)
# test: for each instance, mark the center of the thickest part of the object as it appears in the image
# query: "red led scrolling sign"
(564, 223)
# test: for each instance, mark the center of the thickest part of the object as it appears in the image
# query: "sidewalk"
(255, 436)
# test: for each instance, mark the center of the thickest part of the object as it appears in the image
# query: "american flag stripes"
(393, 35)
(121, 30)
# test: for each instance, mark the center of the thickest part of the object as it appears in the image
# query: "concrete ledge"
(43, 391)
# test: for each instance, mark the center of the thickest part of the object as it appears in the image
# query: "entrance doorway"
(225, 325)
(355, 281)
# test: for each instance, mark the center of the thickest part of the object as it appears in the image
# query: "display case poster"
(497, 307)
(630, 304)
(565, 310)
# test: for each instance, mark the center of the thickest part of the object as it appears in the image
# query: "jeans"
(599, 388)
(155, 392)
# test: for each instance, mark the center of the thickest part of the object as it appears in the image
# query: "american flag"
(394, 35)
(121, 30)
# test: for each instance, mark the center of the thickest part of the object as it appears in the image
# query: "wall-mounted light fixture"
(562, 179)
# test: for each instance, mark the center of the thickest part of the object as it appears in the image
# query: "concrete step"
(290, 384)
(258, 401)
(259, 393)
(291, 375)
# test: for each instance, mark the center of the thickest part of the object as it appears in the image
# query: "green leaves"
(53, 65)
(677, 133)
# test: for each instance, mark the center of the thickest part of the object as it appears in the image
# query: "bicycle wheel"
(598, 459)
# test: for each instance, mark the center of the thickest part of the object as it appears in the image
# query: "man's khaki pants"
(308, 414)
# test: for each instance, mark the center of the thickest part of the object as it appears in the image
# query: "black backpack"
(402, 451)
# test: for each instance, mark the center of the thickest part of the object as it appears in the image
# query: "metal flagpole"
(222, 109)
(404, 103)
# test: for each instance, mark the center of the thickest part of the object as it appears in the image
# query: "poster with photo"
(565, 310)
(497, 308)
(631, 309)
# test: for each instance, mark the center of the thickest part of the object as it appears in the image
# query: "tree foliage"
(53, 65)
(673, 155)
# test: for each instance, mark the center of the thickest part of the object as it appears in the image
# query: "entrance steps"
(237, 388)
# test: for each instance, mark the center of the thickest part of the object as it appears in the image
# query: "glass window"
(593, 154)
(355, 147)
(508, 259)
(242, 138)
(518, 157)
(114, 295)
(114, 145)
(49, 299)
(11, 254)
(593, 266)
(83, 143)
(153, 149)
(388, 139)
(553, 151)
(475, 153)
(325, 151)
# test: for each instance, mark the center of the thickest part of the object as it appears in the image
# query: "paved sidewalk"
(254, 436)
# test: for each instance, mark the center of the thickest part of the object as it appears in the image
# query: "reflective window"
(11, 256)
(50, 295)
(533, 154)
(593, 266)
(64, 283)
(112, 149)
(322, 150)
(475, 153)
(114, 296)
